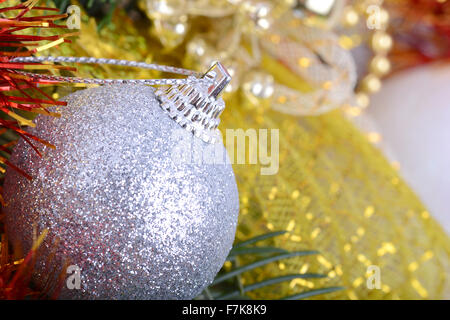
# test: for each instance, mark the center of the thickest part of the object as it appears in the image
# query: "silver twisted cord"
(117, 62)
(151, 82)
(192, 75)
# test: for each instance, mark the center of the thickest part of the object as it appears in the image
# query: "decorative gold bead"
(197, 47)
(258, 85)
(290, 3)
(381, 42)
(362, 100)
(304, 62)
(380, 65)
(350, 17)
(383, 18)
(371, 83)
(159, 9)
(259, 13)
(170, 30)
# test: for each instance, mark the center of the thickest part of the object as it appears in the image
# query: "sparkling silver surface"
(138, 224)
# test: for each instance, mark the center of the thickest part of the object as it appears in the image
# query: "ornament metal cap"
(196, 105)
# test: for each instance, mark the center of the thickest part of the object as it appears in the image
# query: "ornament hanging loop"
(219, 77)
(196, 105)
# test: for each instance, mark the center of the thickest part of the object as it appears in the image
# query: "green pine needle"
(259, 238)
(311, 293)
(254, 250)
(222, 289)
(260, 263)
(268, 282)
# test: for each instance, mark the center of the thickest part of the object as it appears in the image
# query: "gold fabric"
(337, 194)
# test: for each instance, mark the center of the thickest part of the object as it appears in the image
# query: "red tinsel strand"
(421, 30)
(18, 91)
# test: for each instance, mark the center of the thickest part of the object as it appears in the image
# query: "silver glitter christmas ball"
(138, 222)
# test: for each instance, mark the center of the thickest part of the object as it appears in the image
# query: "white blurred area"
(412, 113)
(322, 7)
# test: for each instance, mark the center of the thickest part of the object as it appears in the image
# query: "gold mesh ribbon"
(336, 193)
